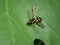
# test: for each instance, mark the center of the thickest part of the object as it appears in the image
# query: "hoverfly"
(35, 20)
(38, 42)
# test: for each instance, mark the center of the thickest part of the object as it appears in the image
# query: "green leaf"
(14, 15)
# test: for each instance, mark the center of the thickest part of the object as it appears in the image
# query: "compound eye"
(39, 20)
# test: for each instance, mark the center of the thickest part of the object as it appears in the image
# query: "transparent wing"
(40, 25)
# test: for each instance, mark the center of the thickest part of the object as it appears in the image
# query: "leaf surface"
(14, 15)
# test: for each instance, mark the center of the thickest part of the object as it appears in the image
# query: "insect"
(35, 20)
(38, 42)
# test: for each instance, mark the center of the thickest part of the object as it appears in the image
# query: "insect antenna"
(33, 8)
